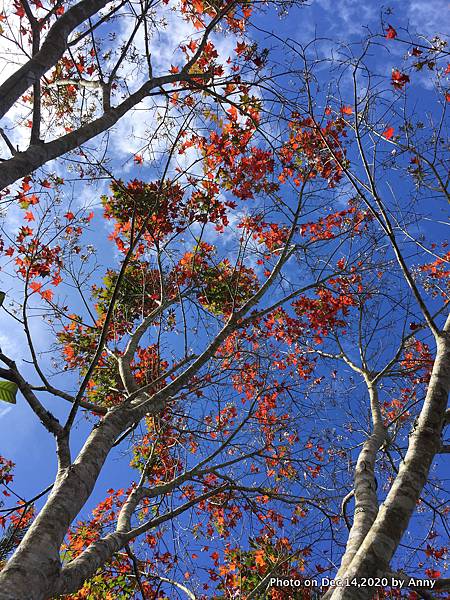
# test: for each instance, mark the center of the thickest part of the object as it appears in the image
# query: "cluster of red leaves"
(162, 445)
(418, 362)
(20, 518)
(198, 12)
(84, 533)
(229, 159)
(6, 476)
(73, 67)
(325, 312)
(205, 64)
(399, 79)
(438, 275)
(325, 228)
(314, 151)
(240, 570)
(272, 235)
(394, 409)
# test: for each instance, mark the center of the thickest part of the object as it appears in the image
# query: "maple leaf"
(259, 558)
(69, 216)
(19, 9)
(138, 160)
(399, 79)
(26, 184)
(56, 280)
(240, 48)
(388, 133)
(432, 573)
(391, 34)
(47, 295)
(29, 216)
(192, 45)
(35, 286)
(174, 69)
(346, 110)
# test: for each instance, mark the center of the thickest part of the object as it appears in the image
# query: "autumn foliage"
(234, 317)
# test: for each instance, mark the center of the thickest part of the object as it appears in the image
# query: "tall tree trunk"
(375, 553)
(33, 571)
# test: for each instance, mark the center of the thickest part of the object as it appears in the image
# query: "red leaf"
(35, 286)
(399, 79)
(47, 295)
(26, 184)
(347, 110)
(20, 11)
(388, 133)
(391, 34)
(29, 216)
(138, 160)
(192, 45)
(432, 573)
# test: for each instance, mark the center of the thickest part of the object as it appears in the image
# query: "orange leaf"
(388, 133)
(35, 286)
(47, 295)
(26, 184)
(347, 110)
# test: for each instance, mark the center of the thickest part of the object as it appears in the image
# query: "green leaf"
(8, 391)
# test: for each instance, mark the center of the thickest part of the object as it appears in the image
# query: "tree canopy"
(224, 276)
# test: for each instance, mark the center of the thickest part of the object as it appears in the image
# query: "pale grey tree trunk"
(376, 551)
(33, 571)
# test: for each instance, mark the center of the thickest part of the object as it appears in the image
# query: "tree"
(253, 325)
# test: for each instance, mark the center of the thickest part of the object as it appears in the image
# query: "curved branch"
(51, 51)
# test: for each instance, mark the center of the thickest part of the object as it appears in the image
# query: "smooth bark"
(375, 553)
